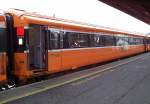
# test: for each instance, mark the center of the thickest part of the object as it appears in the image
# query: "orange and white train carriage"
(45, 45)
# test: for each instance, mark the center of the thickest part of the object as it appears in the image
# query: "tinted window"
(139, 41)
(108, 40)
(121, 40)
(2, 39)
(147, 41)
(65, 40)
(98, 40)
(132, 41)
(54, 39)
(78, 40)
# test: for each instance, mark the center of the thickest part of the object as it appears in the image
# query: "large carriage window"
(142, 40)
(78, 40)
(65, 40)
(147, 41)
(132, 41)
(139, 41)
(54, 40)
(98, 40)
(122, 40)
(108, 40)
(2, 38)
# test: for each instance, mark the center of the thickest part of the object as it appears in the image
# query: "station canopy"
(139, 9)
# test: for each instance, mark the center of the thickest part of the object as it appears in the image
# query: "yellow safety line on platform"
(66, 82)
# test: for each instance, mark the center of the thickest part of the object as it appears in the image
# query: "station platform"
(124, 81)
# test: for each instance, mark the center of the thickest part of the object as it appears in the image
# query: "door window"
(2, 34)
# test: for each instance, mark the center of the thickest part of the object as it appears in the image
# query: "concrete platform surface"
(124, 84)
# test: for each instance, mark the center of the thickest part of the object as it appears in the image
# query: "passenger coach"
(43, 45)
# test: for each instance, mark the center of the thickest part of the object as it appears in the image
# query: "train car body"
(43, 45)
(147, 44)
(3, 58)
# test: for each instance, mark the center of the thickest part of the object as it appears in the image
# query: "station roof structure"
(139, 9)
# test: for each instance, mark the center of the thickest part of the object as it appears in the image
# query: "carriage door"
(3, 48)
(37, 47)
